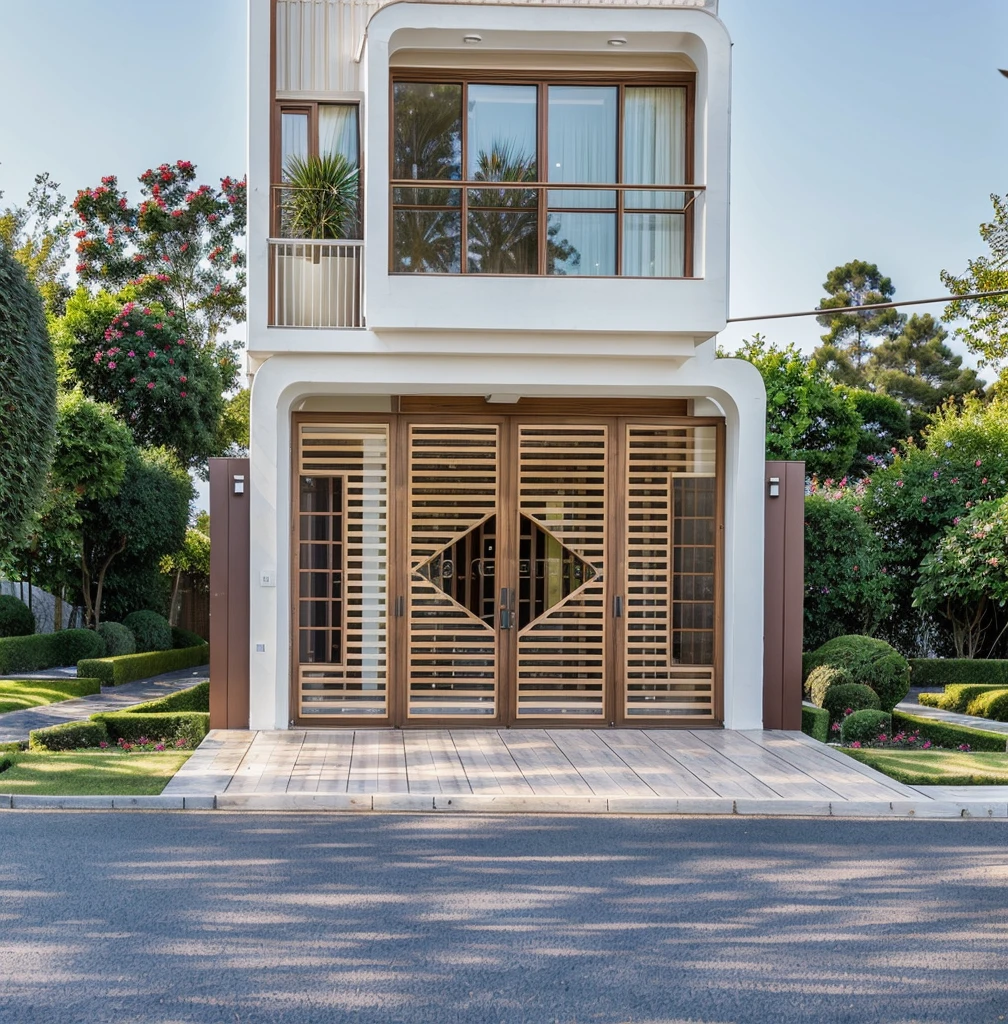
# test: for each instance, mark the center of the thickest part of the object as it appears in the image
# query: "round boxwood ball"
(865, 726)
(822, 679)
(16, 618)
(853, 696)
(869, 661)
(150, 630)
(118, 639)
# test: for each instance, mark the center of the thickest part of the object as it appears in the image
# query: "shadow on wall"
(379, 919)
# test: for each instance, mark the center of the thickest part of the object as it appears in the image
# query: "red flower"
(122, 204)
(182, 393)
(152, 354)
(80, 234)
(183, 379)
(176, 213)
(150, 386)
(80, 267)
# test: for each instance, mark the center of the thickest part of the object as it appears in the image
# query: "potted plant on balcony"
(319, 282)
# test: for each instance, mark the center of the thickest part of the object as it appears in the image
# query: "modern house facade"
(498, 476)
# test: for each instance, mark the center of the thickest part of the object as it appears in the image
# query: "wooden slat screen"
(562, 489)
(347, 675)
(670, 572)
(453, 490)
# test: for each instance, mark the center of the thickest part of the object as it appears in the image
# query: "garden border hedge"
(68, 736)
(49, 650)
(128, 667)
(942, 671)
(167, 726)
(815, 722)
(951, 735)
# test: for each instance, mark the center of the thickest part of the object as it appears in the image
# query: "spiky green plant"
(320, 197)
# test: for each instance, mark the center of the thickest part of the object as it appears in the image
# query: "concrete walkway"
(16, 725)
(953, 718)
(628, 771)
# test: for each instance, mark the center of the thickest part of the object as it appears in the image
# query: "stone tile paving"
(15, 725)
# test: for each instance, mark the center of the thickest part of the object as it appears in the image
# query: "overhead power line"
(874, 305)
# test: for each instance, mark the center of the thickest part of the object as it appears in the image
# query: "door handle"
(617, 607)
(506, 607)
(400, 606)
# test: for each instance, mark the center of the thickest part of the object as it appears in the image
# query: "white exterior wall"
(471, 335)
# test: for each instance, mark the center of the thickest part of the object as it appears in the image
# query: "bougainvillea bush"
(179, 246)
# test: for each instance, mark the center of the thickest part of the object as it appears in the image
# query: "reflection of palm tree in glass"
(503, 222)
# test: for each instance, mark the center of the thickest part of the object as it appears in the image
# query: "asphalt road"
(170, 917)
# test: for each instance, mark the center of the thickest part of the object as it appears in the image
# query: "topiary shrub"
(118, 639)
(48, 650)
(821, 679)
(152, 631)
(16, 618)
(992, 704)
(865, 726)
(957, 696)
(869, 661)
(182, 638)
(166, 727)
(128, 667)
(943, 671)
(854, 696)
(815, 723)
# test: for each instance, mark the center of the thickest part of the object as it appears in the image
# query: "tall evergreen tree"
(851, 334)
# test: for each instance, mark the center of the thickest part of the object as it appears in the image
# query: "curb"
(472, 803)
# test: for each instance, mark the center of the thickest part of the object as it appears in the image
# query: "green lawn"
(16, 694)
(933, 767)
(84, 773)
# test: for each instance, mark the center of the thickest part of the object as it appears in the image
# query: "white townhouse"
(497, 475)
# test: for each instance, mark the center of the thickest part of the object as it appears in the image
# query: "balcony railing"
(316, 283)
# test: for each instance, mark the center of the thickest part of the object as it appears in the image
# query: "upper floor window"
(542, 177)
(316, 171)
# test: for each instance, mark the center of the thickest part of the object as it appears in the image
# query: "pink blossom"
(182, 393)
(183, 379)
(150, 386)
(984, 480)
(139, 334)
(955, 522)
(978, 463)
(131, 354)
(899, 483)
(934, 475)
(923, 499)
(152, 354)
(112, 366)
(132, 380)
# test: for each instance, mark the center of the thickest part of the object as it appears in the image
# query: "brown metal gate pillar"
(783, 594)
(229, 593)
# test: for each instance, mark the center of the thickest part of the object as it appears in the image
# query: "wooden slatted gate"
(524, 570)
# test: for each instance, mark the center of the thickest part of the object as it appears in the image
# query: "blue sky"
(870, 129)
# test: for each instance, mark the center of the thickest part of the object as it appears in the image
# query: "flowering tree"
(178, 247)
(967, 572)
(166, 387)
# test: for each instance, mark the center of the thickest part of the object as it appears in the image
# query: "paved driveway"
(213, 917)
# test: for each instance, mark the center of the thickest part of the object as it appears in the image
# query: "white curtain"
(293, 138)
(338, 130)
(582, 148)
(654, 153)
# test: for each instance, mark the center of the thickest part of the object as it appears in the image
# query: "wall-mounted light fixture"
(617, 41)
(239, 484)
(773, 488)
(503, 399)
(472, 39)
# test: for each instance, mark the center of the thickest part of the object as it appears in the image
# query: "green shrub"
(930, 700)
(821, 679)
(943, 734)
(166, 727)
(151, 630)
(806, 665)
(869, 661)
(815, 722)
(855, 696)
(185, 638)
(992, 704)
(195, 698)
(118, 639)
(69, 736)
(865, 726)
(943, 671)
(20, 654)
(16, 618)
(115, 671)
(957, 697)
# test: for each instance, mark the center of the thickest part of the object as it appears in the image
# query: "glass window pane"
(293, 138)
(654, 138)
(501, 133)
(315, 492)
(582, 141)
(338, 130)
(581, 244)
(426, 241)
(427, 129)
(653, 244)
(503, 242)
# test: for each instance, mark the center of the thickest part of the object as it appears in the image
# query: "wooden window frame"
(465, 78)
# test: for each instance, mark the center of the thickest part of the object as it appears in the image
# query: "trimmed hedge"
(115, 671)
(992, 704)
(119, 640)
(185, 638)
(957, 696)
(942, 671)
(68, 736)
(865, 726)
(944, 735)
(152, 631)
(822, 679)
(16, 618)
(49, 650)
(166, 727)
(869, 661)
(855, 696)
(195, 698)
(815, 722)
